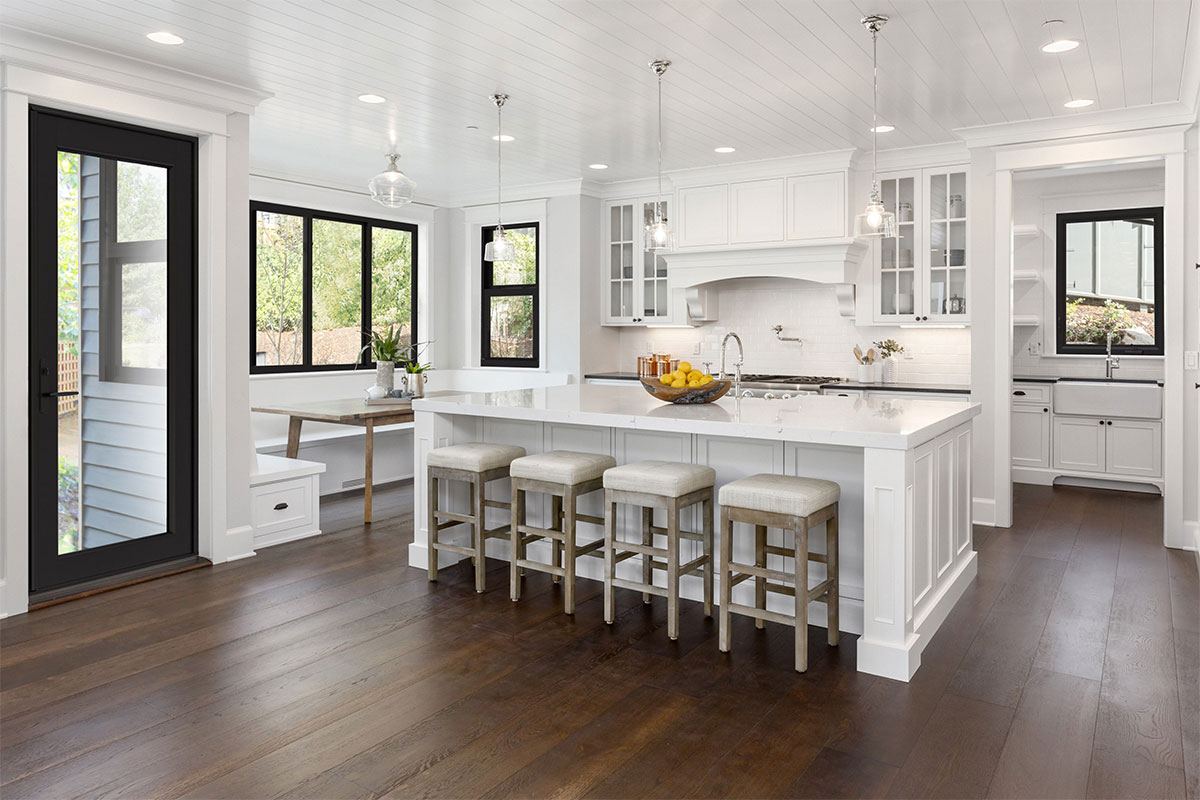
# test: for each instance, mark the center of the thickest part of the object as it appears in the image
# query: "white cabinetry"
(816, 206)
(1133, 447)
(703, 216)
(921, 275)
(756, 211)
(285, 502)
(1030, 435)
(1079, 444)
(636, 289)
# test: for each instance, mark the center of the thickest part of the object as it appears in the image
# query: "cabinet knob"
(1101, 422)
(1109, 422)
(1045, 409)
(924, 319)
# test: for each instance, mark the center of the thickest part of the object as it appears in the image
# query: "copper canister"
(643, 367)
(663, 360)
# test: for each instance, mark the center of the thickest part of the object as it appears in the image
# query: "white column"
(429, 431)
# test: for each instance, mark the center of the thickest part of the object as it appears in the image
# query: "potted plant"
(385, 349)
(414, 369)
(888, 348)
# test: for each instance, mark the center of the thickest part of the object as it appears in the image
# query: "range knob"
(786, 397)
(747, 393)
(769, 396)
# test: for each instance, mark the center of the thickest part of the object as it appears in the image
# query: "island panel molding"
(904, 467)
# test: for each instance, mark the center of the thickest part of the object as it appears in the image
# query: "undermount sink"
(1108, 399)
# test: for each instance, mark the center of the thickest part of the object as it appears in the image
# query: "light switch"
(1191, 359)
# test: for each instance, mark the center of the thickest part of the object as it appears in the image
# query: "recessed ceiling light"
(1080, 103)
(597, 166)
(164, 37)
(503, 137)
(1060, 46)
(883, 129)
(725, 149)
(372, 98)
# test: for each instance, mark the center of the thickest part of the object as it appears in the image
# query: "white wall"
(808, 310)
(1037, 200)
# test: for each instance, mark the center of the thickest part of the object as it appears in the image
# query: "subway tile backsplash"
(810, 312)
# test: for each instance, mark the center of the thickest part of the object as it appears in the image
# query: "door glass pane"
(512, 327)
(887, 293)
(279, 289)
(391, 281)
(336, 291)
(937, 197)
(112, 349)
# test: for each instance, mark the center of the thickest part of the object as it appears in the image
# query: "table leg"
(293, 443)
(368, 477)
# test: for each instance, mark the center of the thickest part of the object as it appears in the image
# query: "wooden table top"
(348, 410)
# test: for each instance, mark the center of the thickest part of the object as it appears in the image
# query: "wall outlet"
(696, 349)
(1191, 359)
(1034, 347)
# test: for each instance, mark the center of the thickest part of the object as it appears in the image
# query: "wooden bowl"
(686, 395)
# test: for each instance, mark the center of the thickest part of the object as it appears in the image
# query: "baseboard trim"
(983, 511)
(53, 597)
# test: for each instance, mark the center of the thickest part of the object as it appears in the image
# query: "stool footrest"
(541, 533)
(589, 519)
(589, 548)
(691, 535)
(641, 549)
(540, 567)
(454, 548)
(693, 565)
(736, 579)
(455, 517)
(763, 614)
(497, 504)
(497, 533)
(647, 588)
(787, 552)
(819, 592)
(779, 576)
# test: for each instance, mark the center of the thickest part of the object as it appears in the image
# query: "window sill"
(324, 373)
(1088, 357)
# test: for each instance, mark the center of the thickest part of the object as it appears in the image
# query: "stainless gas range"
(783, 387)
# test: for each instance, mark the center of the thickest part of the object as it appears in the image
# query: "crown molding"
(920, 156)
(1074, 126)
(48, 54)
(531, 191)
(807, 164)
(323, 184)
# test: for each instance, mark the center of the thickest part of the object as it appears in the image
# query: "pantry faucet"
(737, 367)
(1111, 362)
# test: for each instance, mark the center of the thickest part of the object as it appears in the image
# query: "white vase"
(385, 375)
(889, 370)
(868, 373)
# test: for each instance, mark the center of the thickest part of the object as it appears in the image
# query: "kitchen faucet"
(737, 373)
(1111, 362)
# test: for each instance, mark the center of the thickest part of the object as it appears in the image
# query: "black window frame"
(1061, 346)
(307, 216)
(488, 291)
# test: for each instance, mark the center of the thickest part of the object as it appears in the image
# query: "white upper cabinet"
(922, 275)
(703, 216)
(756, 211)
(636, 290)
(816, 206)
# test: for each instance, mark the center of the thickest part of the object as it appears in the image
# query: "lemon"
(678, 383)
(667, 378)
(706, 379)
(695, 375)
(685, 367)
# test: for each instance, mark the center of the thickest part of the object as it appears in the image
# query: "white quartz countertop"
(893, 423)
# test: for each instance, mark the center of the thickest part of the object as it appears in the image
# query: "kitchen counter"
(943, 388)
(612, 376)
(1077, 379)
(903, 465)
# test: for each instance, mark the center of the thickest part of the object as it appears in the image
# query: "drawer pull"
(1018, 393)
(280, 506)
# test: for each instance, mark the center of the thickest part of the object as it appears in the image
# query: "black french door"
(112, 348)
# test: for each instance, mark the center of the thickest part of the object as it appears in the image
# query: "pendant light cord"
(499, 161)
(875, 109)
(658, 205)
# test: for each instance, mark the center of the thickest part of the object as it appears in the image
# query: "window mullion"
(364, 319)
(307, 312)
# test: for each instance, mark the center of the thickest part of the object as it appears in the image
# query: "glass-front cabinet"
(921, 275)
(637, 290)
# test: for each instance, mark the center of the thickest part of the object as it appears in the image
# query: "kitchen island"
(904, 467)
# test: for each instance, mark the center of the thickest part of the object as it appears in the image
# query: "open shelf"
(1019, 231)
(1025, 321)
(1026, 275)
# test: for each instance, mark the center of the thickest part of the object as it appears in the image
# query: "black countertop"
(1045, 379)
(901, 387)
(612, 376)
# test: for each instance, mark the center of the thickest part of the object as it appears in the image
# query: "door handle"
(59, 394)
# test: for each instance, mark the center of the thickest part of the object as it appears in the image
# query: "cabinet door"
(1031, 436)
(654, 295)
(816, 206)
(756, 211)
(895, 259)
(703, 216)
(1079, 444)
(1134, 447)
(621, 242)
(945, 284)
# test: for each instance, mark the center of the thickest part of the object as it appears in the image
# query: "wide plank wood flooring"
(328, 668)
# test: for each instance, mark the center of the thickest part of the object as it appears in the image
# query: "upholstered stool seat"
(665, 478)
(671, 486)
(780, 494)
(475, 457)
(792, 504)
(562, 466)
(565, 476)
(475, 463)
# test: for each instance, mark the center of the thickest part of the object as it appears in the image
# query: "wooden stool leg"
(831, 570)
(517, 519)
(556, 510)
(726, 589)
(569, 552)
(431, 505)
(477, 511)
(760, 560)
(610, 544)
(673, 569)
(648, 540)
(801, 585)
(706, 508)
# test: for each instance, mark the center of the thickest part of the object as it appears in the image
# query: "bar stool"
(650, 485)
(792, 504)
(565, 476)
(475, 463)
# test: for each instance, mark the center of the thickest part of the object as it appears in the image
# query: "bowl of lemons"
(686, 386)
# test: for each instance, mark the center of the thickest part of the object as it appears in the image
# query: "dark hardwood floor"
(328, 668)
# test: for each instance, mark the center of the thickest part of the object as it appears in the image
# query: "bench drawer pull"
(280, 506)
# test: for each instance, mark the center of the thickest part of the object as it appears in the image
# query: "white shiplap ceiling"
(769, 77)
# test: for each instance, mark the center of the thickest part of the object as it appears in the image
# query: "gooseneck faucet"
(737, 367)
(1111, 362)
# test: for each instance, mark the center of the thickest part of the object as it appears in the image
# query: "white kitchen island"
(904, 466)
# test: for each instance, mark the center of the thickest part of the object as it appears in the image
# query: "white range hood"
(830, 261)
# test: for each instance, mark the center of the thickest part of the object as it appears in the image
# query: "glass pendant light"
(875, 220)
(500, 248)
(392, 188)
(658, 232)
